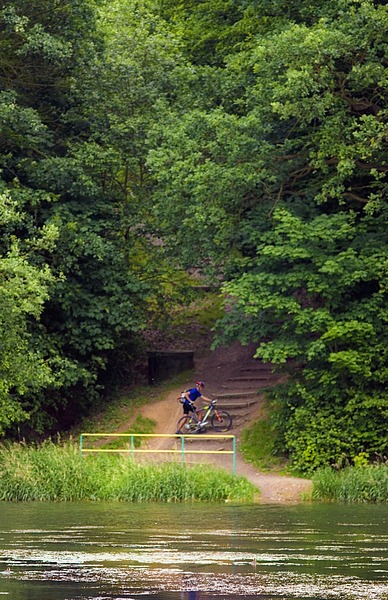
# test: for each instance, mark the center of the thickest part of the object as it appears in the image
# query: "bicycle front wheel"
(221, 421)
(187, 424)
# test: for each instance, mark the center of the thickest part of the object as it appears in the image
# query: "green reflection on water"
(116, 551)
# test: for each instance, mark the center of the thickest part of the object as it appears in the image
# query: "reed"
(352, 484)
(53, 472)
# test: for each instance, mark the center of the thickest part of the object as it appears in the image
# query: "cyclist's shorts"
(187, 408)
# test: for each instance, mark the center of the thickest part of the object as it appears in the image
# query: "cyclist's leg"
(180, 426)
(189, 422)
(204, 415)
(200, 414)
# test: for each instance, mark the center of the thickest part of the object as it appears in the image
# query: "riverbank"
(53, 472)
(275, 487)
(58, 472)
(154, 409)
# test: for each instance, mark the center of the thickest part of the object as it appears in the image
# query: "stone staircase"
(237, 380)
(242, 394)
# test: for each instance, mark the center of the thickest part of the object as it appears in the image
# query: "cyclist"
(191, 396)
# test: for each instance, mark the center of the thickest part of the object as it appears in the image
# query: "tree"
(292, 178)
(72, 150)
(24, 289)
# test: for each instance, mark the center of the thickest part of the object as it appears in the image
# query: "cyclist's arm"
(187, 396)
(205, 399)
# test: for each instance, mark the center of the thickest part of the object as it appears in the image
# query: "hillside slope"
(233, 377)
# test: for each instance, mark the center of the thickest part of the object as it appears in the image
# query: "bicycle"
(219, 420)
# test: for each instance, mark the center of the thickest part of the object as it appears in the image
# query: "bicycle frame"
(209, 411)
(219, 420)
(211, 408)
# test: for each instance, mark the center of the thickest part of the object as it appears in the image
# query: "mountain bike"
(219, 420)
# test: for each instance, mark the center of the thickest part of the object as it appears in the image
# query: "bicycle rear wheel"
(221, 421)
(187, 424)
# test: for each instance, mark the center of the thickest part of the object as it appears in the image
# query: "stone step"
(260, 368)
(244, 383)
(239, 389)
(236, 395)
(243, 394)
(228, 405)
(259, 377)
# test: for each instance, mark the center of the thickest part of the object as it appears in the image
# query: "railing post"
(183, 449)
(132, 448)
(234, 456)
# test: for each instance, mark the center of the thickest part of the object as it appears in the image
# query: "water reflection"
(199, 552)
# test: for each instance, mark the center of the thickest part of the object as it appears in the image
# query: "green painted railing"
(132, 450)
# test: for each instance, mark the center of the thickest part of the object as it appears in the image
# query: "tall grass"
(58, 473)
(258, 446)
(352, 484)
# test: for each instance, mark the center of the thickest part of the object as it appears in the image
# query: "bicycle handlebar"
(212, 403)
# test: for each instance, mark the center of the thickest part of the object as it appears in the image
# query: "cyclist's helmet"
(201, 383)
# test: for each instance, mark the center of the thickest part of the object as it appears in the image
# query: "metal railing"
(183, 450)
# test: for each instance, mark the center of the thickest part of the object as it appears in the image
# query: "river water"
(106, 551)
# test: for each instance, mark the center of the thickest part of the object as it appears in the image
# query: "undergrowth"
(258, 445)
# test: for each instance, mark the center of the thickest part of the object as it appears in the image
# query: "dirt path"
(275, 489)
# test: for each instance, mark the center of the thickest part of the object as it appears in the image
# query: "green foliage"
(323, 291)
(244, 138)
(210, 29)
(258, 445)
(352, 484)
(58, 473)
(43, 45)
(65, 113)
(282, 181)
(43, 42)
(23, 290)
